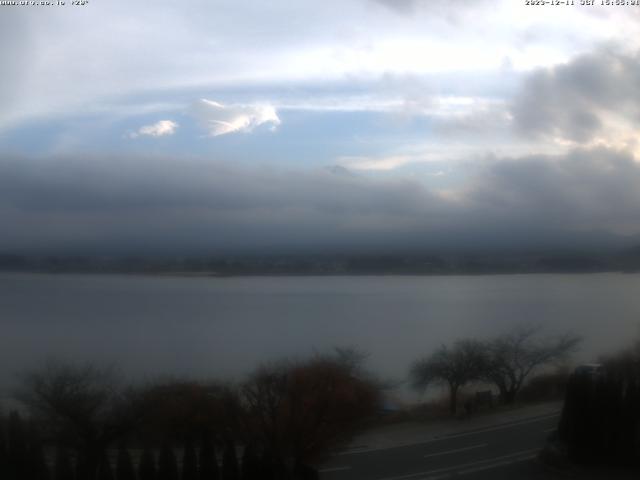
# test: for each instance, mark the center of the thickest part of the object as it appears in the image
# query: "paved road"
(505, 451)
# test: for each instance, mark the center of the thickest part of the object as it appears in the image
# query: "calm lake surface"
(224, 327)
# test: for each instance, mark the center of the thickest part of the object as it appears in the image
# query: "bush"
(147, 468)
(63, 469)
(546, 386)
(189, 461)
(124, 465)
(167, 464)
(207, 460)
(600, 420)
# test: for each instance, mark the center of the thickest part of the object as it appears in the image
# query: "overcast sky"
(211, 125)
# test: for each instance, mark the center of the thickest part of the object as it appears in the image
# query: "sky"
(218, 126)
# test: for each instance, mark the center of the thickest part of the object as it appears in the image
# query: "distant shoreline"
(197, 274)
(351, 264)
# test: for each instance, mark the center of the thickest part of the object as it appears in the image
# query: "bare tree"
(514, 356)
(82, 405)
(453, 366)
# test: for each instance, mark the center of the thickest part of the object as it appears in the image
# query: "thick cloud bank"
(593, 97)
(183, 206)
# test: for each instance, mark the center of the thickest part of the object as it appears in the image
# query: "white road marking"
(333, 469)
(456, 435)
(522, 458)
(471, 467)
(549, 430)
(447, 452)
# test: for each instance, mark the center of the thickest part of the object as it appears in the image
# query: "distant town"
(332, 264)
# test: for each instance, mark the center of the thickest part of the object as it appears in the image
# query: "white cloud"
(591, 101)
(158, 129)
(218, 119)
(449, 154)
(216, 45)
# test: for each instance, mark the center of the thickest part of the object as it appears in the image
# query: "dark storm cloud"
(573, 100)
(104, 184)
(189, 204)
(182, 206)
(585, 189)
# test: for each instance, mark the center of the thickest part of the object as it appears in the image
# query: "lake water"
(224, 327)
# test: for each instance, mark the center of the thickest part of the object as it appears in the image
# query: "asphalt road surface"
(505, 451)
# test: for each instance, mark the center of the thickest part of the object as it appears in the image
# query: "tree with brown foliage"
(297, 411)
